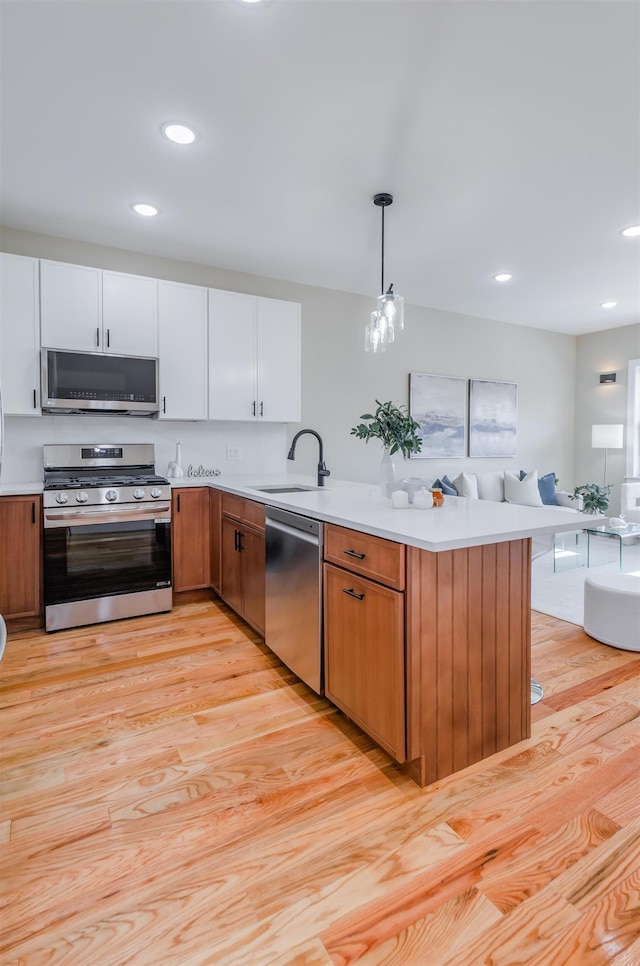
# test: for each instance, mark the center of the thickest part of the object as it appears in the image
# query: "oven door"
(98, 553)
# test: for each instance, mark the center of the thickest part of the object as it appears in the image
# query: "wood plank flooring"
(173, 796)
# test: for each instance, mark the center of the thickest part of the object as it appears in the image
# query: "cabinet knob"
(352, 593)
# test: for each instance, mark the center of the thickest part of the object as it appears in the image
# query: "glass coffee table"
(606, 530)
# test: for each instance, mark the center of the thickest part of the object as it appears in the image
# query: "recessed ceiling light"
(179, 133)
(503, 277)
(631, 232)
(608, 305)
(147, 210)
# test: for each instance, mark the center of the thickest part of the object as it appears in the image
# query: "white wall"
(339, 380)
(597, 352)
(262, 447)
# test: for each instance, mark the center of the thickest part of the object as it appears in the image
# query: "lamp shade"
(607, 436)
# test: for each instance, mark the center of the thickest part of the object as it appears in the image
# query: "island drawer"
(361, 553)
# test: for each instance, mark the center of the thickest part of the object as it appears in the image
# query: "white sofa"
(491, 486)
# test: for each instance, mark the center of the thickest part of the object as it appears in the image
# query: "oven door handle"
(62, 518)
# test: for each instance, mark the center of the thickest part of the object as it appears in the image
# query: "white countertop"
(20, 489)
(359, 506)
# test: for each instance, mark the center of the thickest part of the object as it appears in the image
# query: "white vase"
(390, 472)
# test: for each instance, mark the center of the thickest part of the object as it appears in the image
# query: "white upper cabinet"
(70, 306)
(232, 355)
(254, 358)
(19, 335)
(129, 314)
(182, 329)
(278, 366)
(88, 310)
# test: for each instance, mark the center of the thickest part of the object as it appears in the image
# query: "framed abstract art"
(493, 418)
(439, 406)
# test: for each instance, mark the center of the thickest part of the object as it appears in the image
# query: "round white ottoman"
(612, 610)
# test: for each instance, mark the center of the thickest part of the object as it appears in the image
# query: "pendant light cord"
(382, 258)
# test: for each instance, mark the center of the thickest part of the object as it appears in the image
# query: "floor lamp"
(607, 437)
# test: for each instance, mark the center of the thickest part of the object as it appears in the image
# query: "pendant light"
(388, 317)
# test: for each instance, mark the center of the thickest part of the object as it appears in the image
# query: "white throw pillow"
(466, 485)
(491, 486)
(525, 492)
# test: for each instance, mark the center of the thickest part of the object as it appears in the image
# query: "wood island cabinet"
(364, 655)
(429, 652)
(190, 532)
(20, 556)
(243, 544)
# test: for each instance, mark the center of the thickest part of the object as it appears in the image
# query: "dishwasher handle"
(313, 539)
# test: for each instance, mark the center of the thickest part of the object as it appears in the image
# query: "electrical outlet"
(233, 453)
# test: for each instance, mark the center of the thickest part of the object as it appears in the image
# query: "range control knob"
(62, 497)
(111, 495)
(156, 492)
(82, 497)
(138, 493)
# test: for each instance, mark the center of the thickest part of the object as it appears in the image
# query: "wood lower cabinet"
(364, 655)
(215, 538)
(190, 532)
(20, 556)
(242, 569)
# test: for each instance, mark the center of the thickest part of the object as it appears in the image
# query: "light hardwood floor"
(172, 795)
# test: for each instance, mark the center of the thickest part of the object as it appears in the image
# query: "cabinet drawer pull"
(352, 593)
(352, 553)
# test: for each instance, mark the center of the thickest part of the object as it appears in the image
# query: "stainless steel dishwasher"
(293, 603)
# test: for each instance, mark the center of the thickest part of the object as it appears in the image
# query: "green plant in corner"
(595, 498)
(393, 426)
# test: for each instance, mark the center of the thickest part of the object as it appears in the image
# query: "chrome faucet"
(322, 469)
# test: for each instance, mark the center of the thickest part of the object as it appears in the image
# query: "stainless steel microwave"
(96, 382)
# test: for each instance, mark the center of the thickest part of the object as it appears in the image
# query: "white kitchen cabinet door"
(71, 306)
(278, 361)
(182, 337)
(19, 335)
(232, 356)
(129, 314)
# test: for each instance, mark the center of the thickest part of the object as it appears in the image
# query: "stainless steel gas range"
(107, 534)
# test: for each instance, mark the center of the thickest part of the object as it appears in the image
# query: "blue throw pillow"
(447, 482)
(446, 486)
(547, 488)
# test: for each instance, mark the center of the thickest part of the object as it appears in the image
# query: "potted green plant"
(397, 431)
(595, 498)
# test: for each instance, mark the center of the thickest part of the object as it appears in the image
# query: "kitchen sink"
(284, 489)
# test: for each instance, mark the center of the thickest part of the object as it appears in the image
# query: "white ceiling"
(508, 133)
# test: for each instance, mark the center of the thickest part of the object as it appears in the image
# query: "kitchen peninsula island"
(426, 615)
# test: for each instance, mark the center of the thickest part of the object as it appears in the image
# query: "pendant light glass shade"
(376, 335)
(389, 315)
(391, 307)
